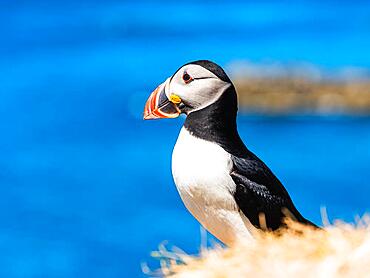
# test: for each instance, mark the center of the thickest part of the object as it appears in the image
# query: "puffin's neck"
(217, 122)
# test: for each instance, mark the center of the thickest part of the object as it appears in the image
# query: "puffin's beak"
(159, 106)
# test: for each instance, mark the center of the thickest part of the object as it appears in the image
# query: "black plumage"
(258, 191)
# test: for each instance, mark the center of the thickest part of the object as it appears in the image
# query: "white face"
(196, 86)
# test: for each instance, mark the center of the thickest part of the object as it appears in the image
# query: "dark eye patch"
(187, 78)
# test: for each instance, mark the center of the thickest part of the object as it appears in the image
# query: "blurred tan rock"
(283, 95)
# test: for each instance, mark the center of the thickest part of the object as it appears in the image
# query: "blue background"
(86, 187)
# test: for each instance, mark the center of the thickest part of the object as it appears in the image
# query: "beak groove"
(159, 106)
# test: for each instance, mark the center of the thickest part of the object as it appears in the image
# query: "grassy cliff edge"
(340, 250)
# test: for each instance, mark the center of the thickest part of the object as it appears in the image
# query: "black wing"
(260, 194)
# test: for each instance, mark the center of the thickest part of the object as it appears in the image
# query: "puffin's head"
(192, 87)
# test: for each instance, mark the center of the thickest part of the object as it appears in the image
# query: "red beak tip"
(154, 110)
(148, 116)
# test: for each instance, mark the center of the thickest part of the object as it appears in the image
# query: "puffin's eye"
(187, 78)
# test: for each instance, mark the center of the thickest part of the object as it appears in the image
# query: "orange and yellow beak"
(159, 106)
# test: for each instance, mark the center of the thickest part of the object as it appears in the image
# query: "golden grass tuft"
(340, 250)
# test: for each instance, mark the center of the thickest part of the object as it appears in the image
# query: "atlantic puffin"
(225, 186)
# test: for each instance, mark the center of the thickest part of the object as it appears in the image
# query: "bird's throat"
(217, 122)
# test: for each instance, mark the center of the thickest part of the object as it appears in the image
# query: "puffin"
(225, 186)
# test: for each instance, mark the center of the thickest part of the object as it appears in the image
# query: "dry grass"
(286, 95)
(340, 250)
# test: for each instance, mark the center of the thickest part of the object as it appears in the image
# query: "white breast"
(201, 172)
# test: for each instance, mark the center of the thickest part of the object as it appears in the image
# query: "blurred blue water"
(86, 188)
